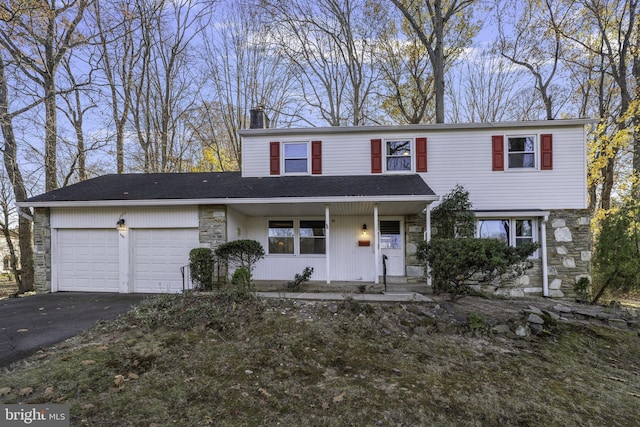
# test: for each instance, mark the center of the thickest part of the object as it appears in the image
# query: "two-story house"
(338, 199)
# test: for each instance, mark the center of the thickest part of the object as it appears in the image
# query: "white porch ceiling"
(337, 208)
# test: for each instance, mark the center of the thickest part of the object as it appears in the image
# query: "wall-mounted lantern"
(120, 225)
(364, 237)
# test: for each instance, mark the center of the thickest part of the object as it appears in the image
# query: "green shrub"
(616, 269)
(299, 279)
(241, 254)
(453, 217)
(581, 288)
(201, 266)
(456, 263)
(241, 280)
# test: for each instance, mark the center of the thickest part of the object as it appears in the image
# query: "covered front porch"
(350, 244)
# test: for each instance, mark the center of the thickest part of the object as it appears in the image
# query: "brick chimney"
(259, 119)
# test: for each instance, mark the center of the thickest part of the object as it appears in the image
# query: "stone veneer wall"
(212, 221)
(414, 227)
(568, 256)
(568, 249)
(42, 250)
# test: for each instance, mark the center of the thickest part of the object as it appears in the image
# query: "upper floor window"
(296, 158)
(521, 152)
(398, 155)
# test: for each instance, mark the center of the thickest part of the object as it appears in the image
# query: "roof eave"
(416, 127)
(227, 201)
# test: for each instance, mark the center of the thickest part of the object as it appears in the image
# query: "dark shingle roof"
(230, 185)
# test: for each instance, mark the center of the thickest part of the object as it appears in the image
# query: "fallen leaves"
(119, 380)
(23, 392)
(48, 392)
(264, 392)
(339, 398)
(88, 362)
(4, 391)
(22, 330)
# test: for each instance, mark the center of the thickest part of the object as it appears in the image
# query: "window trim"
(297, 236)
(536, 153)
(284, 157)
(412, 155)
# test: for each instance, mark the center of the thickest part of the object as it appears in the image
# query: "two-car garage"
(143, 255)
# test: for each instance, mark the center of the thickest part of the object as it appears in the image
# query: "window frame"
(512, 237)
(535, 153)
(284, 157)
(386, 157)
(297, 237)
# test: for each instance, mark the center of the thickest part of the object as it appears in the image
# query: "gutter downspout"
(25, 215)
(543, 248)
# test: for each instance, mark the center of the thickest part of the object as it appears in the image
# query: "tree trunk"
(25, 279)
(51, 137)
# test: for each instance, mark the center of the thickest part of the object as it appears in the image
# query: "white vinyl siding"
(458, 156)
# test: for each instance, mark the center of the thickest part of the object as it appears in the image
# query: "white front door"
(392, 245)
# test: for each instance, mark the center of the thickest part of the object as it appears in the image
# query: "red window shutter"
(546, 152)
(498, 152)
(421, 154)
(376, 156)
(274, 158)
(316, 157)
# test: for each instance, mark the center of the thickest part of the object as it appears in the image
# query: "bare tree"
(8, 216)
(407, 84)
(25, 279)
(120, 52)
(330, 48)
(165, 82)
(487, 89)
(38, 39)
(444, 27)
(519, 27)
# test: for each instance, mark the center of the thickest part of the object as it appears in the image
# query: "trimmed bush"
(241, 253)
(457, 263)
(201, 266)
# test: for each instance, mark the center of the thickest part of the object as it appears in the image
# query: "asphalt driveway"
(31, 323)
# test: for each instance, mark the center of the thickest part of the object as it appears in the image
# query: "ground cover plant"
(239, 360)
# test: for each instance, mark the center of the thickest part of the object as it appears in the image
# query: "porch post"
(427, 238)
(376, 244)
(327, 237)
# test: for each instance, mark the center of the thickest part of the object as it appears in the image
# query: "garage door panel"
(157, 257)
(87, 260)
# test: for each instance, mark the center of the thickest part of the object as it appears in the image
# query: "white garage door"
(87, 260)
(158, 255)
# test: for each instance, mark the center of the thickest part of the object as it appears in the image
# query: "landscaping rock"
(535, 319)
(534, 310)
(552, 315)
(618, 324)
(562, 308)
(500, 329)
(522, 331)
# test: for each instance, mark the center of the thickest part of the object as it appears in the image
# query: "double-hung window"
(513, 231)
(296, 158)
(281, 237)
(297, 237)
(398, 155)
(521, 152)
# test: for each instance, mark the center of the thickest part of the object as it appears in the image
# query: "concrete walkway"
(335, 296)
